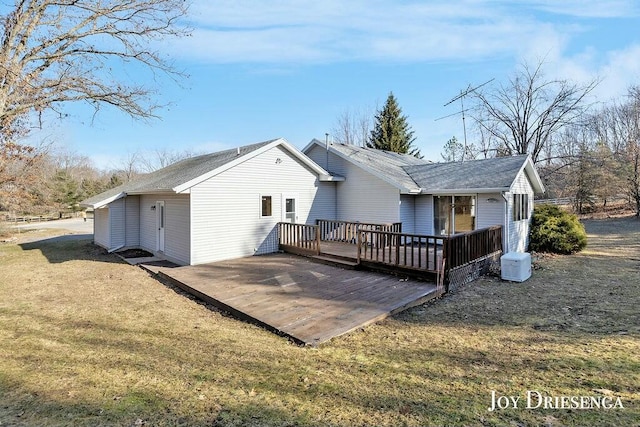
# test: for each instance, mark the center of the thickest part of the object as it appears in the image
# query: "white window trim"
(265, 217)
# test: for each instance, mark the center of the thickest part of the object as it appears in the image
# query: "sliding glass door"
(442, 215)
(454, 214)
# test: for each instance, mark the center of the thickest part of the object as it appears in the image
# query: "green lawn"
(86, 340)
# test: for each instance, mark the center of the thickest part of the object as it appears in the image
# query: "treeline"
(585, 152)
(598, 160)
(49, 181)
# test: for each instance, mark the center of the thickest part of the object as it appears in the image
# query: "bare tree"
(130, 166)
(58, 51)
(631, 155)
(53, 52)
(19, 169)
(523, 116)
(162, 157)
(352, 128)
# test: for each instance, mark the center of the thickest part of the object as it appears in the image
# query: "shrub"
(557, 231)
(5, 230)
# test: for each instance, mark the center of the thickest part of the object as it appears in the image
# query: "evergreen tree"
(452, 150)
(66, 191)
(391, 132)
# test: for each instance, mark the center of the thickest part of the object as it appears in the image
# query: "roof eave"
(455, 191)
(331, 178)
(304, 159)
(532, 174)
(412, 191)
(104, 202)
(152, 191)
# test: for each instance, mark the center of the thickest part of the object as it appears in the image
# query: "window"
(520, 207)
(266, 206)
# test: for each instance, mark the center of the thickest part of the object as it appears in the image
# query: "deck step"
(336, 260)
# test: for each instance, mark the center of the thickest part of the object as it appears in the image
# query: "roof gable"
(385, 165)
(182, 175)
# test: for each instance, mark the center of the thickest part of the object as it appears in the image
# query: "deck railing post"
(317, 240)
(397, 239)
(358, 257)
(447, 263)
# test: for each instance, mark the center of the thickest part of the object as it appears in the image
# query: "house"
(432, 198)
(227, 205)
(216, 206)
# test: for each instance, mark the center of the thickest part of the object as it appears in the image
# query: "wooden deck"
(306, 301)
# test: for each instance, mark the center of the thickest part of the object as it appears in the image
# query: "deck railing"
(378, 244)
(464, 248)
(347, 231)
(299, 238)
(412, 251)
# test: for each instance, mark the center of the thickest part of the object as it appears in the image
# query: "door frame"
(161, 220)
(286, 196)
(451, 214)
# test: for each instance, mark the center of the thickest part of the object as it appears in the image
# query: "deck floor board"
(307, 301)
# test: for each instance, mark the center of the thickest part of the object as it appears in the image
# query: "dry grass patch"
(88, 340)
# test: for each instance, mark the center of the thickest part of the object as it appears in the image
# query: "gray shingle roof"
(385, 164)
(167, 178)
(495, 173)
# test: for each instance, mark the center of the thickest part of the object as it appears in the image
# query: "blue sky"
(288, 68)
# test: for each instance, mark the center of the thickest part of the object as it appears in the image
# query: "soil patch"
(134, 253)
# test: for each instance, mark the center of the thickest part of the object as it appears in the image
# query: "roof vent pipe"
(238, 151)
(326, 142)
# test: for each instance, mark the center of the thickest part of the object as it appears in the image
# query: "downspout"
(506, 220)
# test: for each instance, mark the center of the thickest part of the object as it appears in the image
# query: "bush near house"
(557, 231)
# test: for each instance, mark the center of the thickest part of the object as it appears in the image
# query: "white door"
(289, 208)
(160, 219)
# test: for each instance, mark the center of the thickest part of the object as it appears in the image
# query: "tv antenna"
(461, 96)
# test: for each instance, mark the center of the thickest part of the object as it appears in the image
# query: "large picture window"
(520, 207)
(265, 210)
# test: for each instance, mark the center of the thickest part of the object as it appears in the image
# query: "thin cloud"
(588, 9)
(334, 31)
(285, 33)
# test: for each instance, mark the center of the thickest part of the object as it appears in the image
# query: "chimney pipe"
(326, 142)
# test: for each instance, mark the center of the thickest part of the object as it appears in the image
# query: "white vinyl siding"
(225, 209)
(424, 215)
(324, 204)
(490, 210)
(148, 221)
(101, 226)
(117, 220)
(361, 196)
(177, 228)
(319, 155)
(407, 213)
(132, 213)
(519, 230)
